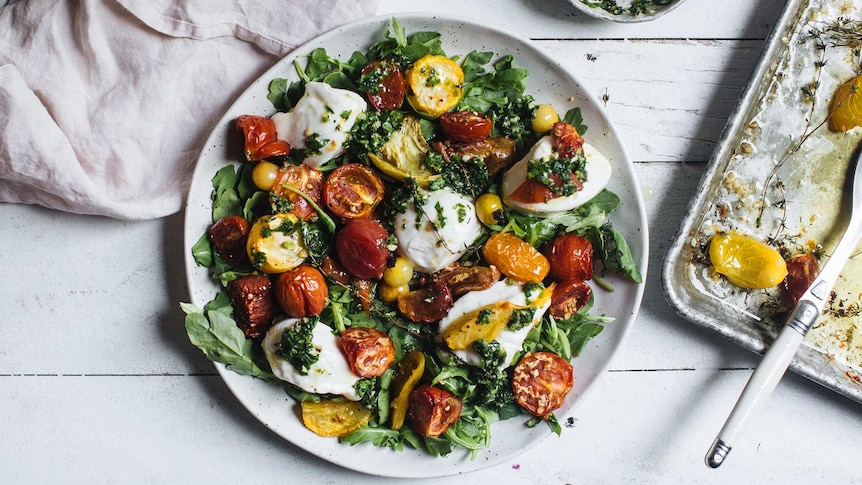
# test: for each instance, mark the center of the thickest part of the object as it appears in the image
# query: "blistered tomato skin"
(361, 248)
(745, 261)
(465, 126)
(352, 191)
(432, 410)
(260, 138)
(302, 291)
(516, 258)
(569, 296)
(427, 304)
(228, 236)
(369, 351)
(304, 178)
(570, 257)
(541, 381)
(387, 89)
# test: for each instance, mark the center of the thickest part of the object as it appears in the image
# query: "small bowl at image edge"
(593, 9)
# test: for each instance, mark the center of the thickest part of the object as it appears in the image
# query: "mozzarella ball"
(598, 170)
(439, 233)
(323, 116)
(329, 375)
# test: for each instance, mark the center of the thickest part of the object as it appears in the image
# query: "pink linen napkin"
(105, 105)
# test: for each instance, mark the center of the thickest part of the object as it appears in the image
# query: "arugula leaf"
(217, 335)
(404, 50)
(614, 252)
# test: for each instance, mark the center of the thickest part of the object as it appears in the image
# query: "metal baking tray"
(779, 174)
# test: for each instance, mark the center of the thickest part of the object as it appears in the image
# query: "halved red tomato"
(384, 84)
(541, 381)
(352, 191)
(369, 351)
(261, 140)
(465, 126)
(307, 180)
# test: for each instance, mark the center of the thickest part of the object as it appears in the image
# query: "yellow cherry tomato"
(846, 107)
(434, 85)
(489, 209)
(746, 261)
(545, 118)
(407, 375)
(334, 418)
(263, 175)
(389, 293)
(400, 273)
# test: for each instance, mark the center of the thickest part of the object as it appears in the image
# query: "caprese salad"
(409, 245)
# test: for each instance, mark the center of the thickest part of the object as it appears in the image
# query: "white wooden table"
(99, 384)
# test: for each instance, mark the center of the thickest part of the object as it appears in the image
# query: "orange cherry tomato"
(541, 381)
(302, 291)
(261, 140)
(570, 257)
(432, 410)
(307, 180)
(384, 83)
(516, 258)
(465, 126)
(352, 191)
(369, 351)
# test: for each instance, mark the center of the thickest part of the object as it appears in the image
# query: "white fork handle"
(760, 385)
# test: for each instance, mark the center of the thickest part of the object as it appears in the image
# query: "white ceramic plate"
(548, 83)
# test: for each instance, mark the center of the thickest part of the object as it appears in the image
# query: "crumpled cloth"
(106, 104)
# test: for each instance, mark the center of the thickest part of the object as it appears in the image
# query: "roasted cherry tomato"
(515, 257)
(498, 152)
(569, 297)
(252, 301)
(384, 84)
(332, 269)
(745, 261)
(465, 126)
(432, 410)
(407, 374)
(302, 291)
(801, 271)
(541, 381)
(462, 279)
(568, 141)
(361, 248)
(334, 418)
(228, 236)
(352, 191)
(570, 257)
(427, 304)
(307, 180)
(261, 140)
(369, 351)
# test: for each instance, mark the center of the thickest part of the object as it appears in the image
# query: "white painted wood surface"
(99, 384)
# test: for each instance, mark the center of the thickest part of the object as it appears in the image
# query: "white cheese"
(598, 170)
(329, 375)
(446, 229)
(323, 113)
